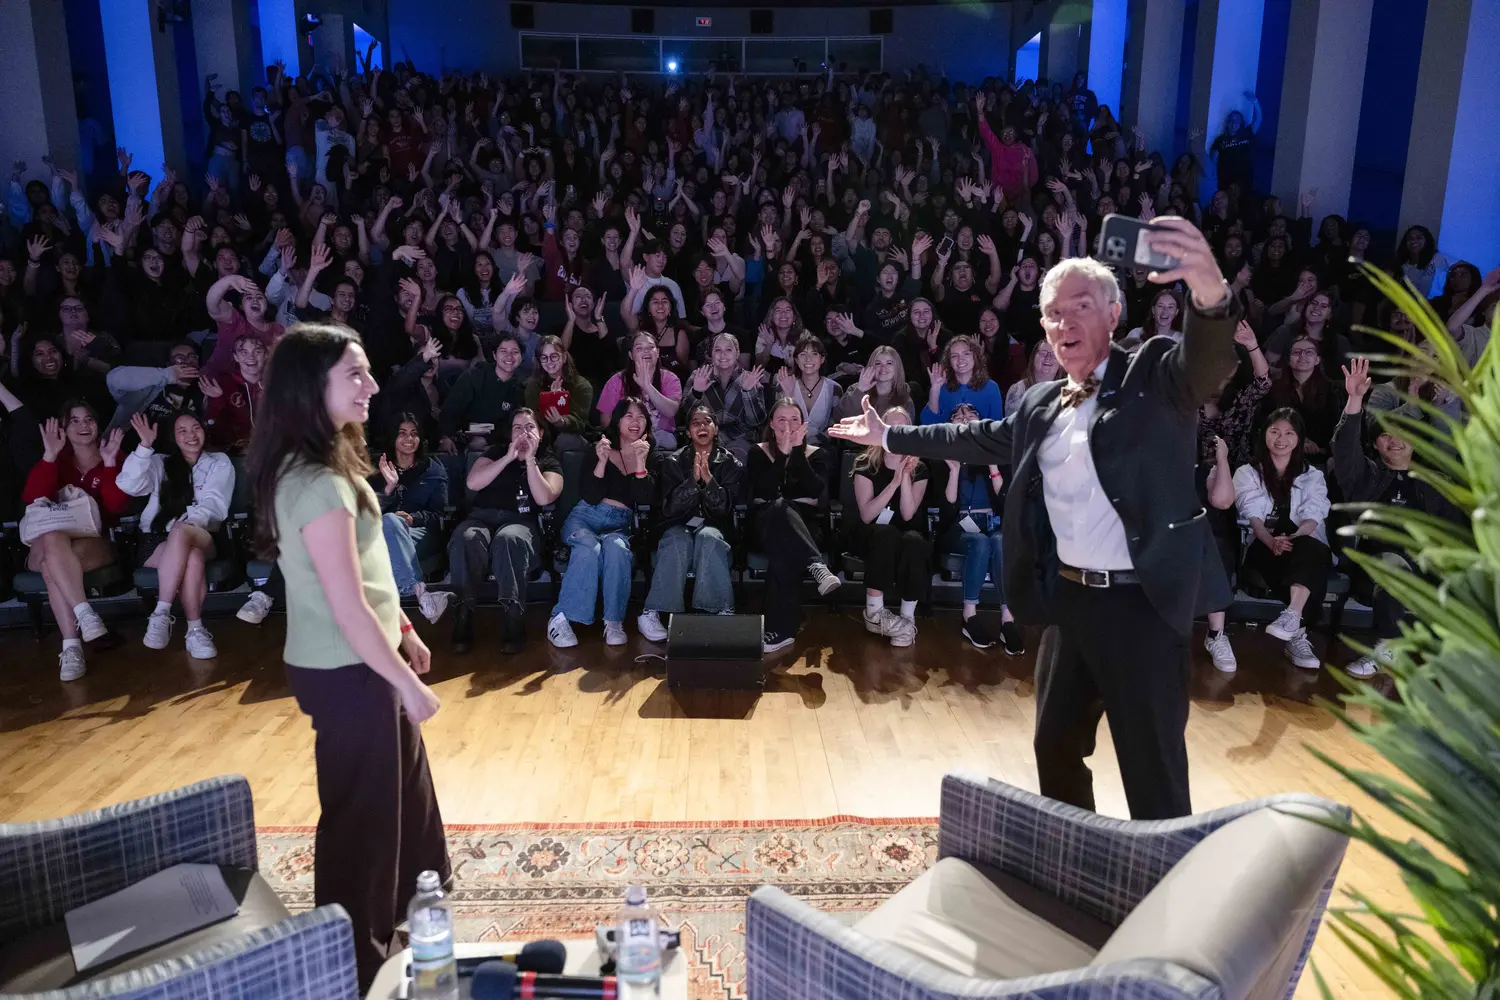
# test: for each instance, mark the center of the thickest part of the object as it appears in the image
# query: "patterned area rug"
(525, 882)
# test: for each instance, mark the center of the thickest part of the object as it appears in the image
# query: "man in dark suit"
(1104, 535)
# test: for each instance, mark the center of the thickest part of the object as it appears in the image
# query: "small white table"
(583, 960)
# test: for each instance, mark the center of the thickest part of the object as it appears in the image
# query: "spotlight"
(671, 65)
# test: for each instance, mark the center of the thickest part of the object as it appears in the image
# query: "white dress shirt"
(1089, 533)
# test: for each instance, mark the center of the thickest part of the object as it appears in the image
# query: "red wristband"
(995, 475)
(408, 627)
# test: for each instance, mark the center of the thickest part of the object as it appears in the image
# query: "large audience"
(645, 301)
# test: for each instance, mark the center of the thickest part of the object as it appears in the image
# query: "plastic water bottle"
(429, 922)
(638, 963)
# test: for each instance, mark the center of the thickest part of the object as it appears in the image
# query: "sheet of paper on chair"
(160, 907)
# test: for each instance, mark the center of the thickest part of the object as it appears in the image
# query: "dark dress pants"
(1112, 655)
(379, 825)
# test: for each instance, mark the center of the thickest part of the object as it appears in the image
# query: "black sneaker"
(463, 627)
(1010, 639)
(978, 633)
(515, 627)
(774, 642)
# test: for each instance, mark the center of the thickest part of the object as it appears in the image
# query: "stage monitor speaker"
(523, 16)
(715, 652)
(762, 22)
(881, 21)
(643, 20)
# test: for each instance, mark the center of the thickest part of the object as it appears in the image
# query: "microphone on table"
(497, 980)
(534, 956)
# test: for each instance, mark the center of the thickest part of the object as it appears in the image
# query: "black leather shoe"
(515, 628)
(463, 627)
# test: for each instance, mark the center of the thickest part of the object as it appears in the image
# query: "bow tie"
(1074, 395)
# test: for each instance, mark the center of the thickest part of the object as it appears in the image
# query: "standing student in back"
(353, 659)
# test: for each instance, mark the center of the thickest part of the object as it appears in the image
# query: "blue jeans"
(706, 553)
(983, 553)
(599, 535)
(407, 546)
(225, 166)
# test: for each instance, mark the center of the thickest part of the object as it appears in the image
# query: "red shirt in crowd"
(221, 362)
(1012, 167)
(231, 415)
(46, 478)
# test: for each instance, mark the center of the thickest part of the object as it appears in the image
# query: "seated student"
(804, 383)
(591, 345)
(788, 486)
(412, 488)
(890, 534)
(883, 379)
(1315, 321)
(1042, 366)
(962, 377)
(1216, 490)
(598, 528)
(1389, 481)
(253, 317)
(715, 309)
(1286, 502)
(190, 488)
(734, 394)
(1235, 423)
(643, 378)
(512, 481)
(233, 398)
(1302, 386)
(562, 396)
(698, 485)
(971, 502)
(1165, 318)
(73, 456)
(484, 394)
(159, 393)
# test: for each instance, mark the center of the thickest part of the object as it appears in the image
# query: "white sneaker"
(1222, 652)
(900, 630)
(824, 577)
(158, 631)
(614, 634)
(200, 645)
(1287, 625)
(90, 625)
(560, 633)
(70, 664)
(774, 642)
(1300, 651)
(1362, 667)
(255, 608)
(433, 603)
(650, 626)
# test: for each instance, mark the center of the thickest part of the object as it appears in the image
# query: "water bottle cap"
(429, 882)
(635, 895)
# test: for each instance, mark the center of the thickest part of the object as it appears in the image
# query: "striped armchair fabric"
(1099, 866)
(50, 867)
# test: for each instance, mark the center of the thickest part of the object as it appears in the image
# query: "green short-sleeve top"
(313, 638)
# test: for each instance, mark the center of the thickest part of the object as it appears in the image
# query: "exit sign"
(705, 22)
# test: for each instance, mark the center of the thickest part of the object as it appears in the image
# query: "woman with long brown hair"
(353, 658)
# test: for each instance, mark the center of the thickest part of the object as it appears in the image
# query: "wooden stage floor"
(849, 725)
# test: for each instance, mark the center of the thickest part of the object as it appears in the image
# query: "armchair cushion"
(1239, 907)
(958, 918)
(43, 959)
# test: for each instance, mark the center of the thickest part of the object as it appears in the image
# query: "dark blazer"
(1144, 443)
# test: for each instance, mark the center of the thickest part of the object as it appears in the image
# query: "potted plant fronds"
(1442, 731)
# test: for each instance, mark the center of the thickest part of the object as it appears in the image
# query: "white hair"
(1101, 277)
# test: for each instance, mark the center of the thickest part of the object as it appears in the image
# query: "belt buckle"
(1095, 577)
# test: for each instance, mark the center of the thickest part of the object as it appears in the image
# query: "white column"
(223, 44)
(143, 89)
(1451, 185)
(37, 116)
(1153, 70)
(278, 34)
(1226, 60)
(1060, 45)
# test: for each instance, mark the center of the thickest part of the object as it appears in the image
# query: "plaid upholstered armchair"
(50, 867)
(1032, 898)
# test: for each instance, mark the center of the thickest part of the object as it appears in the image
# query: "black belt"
(1099, 577)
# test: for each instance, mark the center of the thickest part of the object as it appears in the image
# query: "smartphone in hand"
(1122, 244)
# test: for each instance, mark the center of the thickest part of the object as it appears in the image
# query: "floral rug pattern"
(528, 881)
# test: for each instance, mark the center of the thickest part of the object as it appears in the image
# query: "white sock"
(908, 609)
(79, 610)
(72, 643)
(163, 608)
(971, 608)
(873, 603)
(194, 623)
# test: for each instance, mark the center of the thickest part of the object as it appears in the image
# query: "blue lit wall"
(1029, 58)
(132, 81)
(1107, 51)
(1471, 214)
(278, 33)
(1390, 94)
